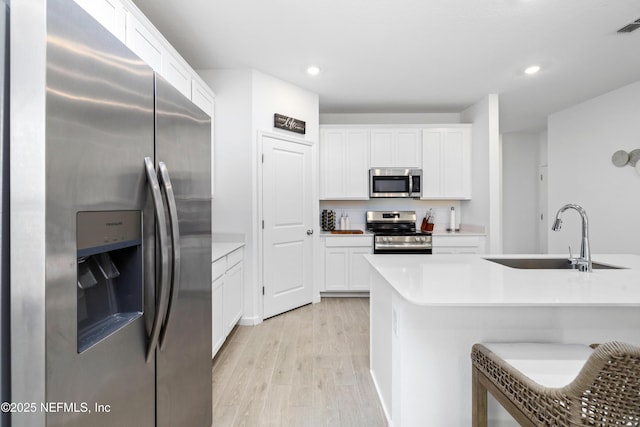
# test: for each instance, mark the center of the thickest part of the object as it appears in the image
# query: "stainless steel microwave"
(395, 182)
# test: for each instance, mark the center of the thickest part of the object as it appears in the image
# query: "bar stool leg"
(479, 401)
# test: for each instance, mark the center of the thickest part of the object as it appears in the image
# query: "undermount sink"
(545, 263)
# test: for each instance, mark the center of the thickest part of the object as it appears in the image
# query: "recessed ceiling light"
(532, 69)
(313, 70)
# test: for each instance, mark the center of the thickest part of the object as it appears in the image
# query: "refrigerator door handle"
(165, 183)
(161, 297)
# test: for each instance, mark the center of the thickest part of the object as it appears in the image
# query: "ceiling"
(417, 56)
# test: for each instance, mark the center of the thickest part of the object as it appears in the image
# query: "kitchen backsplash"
(357, 210)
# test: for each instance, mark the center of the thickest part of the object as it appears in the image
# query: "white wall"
(582, 140)
(246, 101)
(543, 191)
(520, 214)
(272, 95)
(388, 118)
(485, 207)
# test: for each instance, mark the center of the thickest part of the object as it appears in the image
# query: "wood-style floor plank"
(306, 367)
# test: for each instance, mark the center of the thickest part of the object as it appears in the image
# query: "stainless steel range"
(395, 233)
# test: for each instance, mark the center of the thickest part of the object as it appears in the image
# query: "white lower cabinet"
(345, 268)
(458, 244)
(226, 297)
(232, 297)
(217, 323)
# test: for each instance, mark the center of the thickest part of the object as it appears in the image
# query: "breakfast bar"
(427, 312)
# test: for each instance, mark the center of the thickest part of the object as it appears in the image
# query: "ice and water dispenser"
(110, 280)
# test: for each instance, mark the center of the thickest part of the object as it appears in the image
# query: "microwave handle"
(410, 185)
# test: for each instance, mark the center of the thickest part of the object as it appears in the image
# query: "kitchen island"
(427, 311)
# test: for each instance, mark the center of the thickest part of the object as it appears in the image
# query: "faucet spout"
(584, 262)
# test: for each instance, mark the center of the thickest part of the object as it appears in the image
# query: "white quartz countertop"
(220, 249)
(471, 280)
(441, 233)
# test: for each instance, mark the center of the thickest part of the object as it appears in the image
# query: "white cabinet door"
(382, 148)
(218, 334)
(177, 72)
(233, 297)
(202, 96)
(345, 268)
(344, 164)
(359, 269)
(456, 163)
(408, 150)
(446, 163)
(144, 43)
(336, 267)
(432, 155)
(110, 13)
(356, 169)
(396, 148)
(332, 163)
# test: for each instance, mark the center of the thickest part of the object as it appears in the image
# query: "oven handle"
(403, 252)
(402, 246)
(410, 185)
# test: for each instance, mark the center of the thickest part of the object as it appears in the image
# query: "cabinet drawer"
(218, 268)
(333, 242)
(234, 257)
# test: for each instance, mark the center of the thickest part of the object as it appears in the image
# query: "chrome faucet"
(584, 261)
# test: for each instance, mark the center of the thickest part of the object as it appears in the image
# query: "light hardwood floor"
(306, 367)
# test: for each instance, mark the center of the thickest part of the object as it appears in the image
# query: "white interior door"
(287, 211)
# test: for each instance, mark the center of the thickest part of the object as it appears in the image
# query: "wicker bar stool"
(558, 384)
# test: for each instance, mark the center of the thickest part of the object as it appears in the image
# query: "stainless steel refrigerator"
(110, 231)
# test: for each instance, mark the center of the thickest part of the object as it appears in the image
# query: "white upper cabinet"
(396, 148)
(177, 72)
(124, 20)
(110, 13)
(144, 43)
(201, 96)
(344, 163)
(446, 163)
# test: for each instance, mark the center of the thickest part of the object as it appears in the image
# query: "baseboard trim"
(384, 408)
(250, 321)
(364, 294)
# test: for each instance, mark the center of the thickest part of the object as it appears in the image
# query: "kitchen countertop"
(427, 312)
(471, 280)
(220, 249)
(458, 233)
(465, 230)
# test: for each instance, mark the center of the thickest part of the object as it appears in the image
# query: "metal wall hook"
(621, 158)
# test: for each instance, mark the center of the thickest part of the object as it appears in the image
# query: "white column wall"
(520, 154)
(582, 140)
(246, 101)
(485, 207)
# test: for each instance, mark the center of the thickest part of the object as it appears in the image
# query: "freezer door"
(183, 144)
(99, 129)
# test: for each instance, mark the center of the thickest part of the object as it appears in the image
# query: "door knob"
(309, 232)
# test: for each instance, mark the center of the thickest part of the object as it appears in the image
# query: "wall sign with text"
(289, 123)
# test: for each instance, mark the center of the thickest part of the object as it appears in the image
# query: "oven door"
(401, 245)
